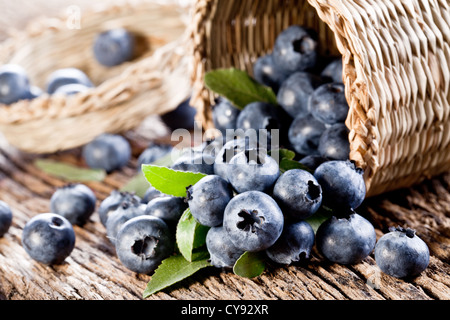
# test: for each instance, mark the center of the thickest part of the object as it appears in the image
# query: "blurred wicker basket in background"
(123, 95)
(396, 58)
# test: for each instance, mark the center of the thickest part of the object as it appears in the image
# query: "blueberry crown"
(410, 233)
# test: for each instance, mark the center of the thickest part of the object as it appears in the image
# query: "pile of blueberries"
(246, 200)
(110, 48)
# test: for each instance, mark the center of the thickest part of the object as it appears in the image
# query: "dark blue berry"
(294, 245)
(342, 184)
(167, 208)
(33, 93)
(223, 253)
(298, 194)
(197, 163)
(114, 47)
(266, 72)
(333, 71)
(401, 253)
(208, 198)
(48, 238)
(151, 194)
(305, 133)
(328, 103)
(6, 217)
(253, 221)
(112, 202)
(109, 152)
(182, 117)
(14, 84)
(66, 76)
(75, 202)
(153, 152)
(346, 240)
(143, 243)
(312, 162)
(224, 115)
(334, 143)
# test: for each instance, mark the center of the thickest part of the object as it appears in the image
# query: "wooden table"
(94, 272)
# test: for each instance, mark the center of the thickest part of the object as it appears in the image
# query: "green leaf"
(319, 217)
(190, 235)
(238, 87)
(250, 265)
(287, 164)
(170, 182)
(281, 154)
(69, 172)
(174, 269)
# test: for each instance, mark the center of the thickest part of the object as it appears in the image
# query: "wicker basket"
(123, 96)
(396, 58)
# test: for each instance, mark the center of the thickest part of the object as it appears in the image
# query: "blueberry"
(128, 209)
(143, 243)
(228, 151)
(114, 47)
(198, 163)
(14, 83)
(254, 170)
(71, 89)
(267, 73)
(153, 152)
(295, 92)
(75, 202)
(401, 253)
(182, 117)
(208, 198)
(253, 221)
(33, 93)
(305, 133)
(223, 253)
(167, 208)
(312, 162)
(112, 202)
(328, 103)
(224, 115)
(295, 49)
(65, 76)
(6, 217)
(346, 240)
(151, 194)
(298, 194)
(342, 184)
(334, 143)
(294, 245)
(333, 71)
(109, 152)
(48, 238)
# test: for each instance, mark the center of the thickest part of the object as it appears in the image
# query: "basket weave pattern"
(396, 70)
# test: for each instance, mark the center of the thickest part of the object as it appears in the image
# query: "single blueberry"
(294, 245)
(112, 202)
(71, 89)
(253, 221)
(65, 76)
(6, 217)
(253, 170)
(182, 117)
(151, 194)
(295, 92)
(346, 240)
(75, 202)
(342, 184)
(143, 243)
(197, 163)
(208, 198)
(333, 71)
(223, 253)
(224, 115)
(305, 133)
(401, 253)
(267, 73)
(334, 142)
(312, 162)
(14, 83)
(48, 238)
(167, 208)
(109, 152)
(295, 49)
(328, 103)
(114, 47)
(152, 153)
(128, 209)
(298, 194)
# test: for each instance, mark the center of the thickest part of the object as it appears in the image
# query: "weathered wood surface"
(94, 272)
